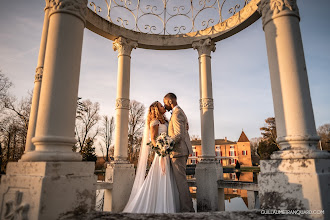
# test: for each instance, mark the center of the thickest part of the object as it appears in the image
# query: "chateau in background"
(227, 152)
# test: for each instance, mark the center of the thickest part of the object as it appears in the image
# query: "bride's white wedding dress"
(158, 193)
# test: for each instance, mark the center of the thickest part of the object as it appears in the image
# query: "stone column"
(54, 136)
(29, 146)
(285, 181)
(124, 48)
(120, 173)
(204, 48)
(207, 171)
(52, 181)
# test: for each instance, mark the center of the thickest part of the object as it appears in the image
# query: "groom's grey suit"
(178, 131)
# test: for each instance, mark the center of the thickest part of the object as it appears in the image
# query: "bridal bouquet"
(164, 145)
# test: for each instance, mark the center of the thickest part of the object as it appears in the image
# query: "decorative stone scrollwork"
(74, 7)
(194, 18)
(206, 103)
(122, 103)
(271, 9)
(124, 46)
(204, 47)
(16, 209)
(38, 76)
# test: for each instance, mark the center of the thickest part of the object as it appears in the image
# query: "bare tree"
(86, 120)
(5, 84)
(106, 131)
(14, 120)
(135, 128)
(324, 132)
(22, 109)
(12, 138)
(254, 143)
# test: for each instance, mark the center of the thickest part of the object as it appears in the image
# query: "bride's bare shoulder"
(154, 122)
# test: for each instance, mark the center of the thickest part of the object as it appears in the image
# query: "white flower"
(164, 145)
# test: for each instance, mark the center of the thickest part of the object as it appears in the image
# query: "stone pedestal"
(209, 197)
(122, 177)
(297, 177)
(47, 190)
(221, 191)
(295, 184)
(252, 199)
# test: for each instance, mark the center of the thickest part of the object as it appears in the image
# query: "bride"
(157, 193)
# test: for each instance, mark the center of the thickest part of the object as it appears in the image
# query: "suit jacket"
(178, 131)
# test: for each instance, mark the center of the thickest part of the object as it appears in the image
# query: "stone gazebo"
(50, 180)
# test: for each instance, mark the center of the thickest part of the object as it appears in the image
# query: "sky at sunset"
(241, 82)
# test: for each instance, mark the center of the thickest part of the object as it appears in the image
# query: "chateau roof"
(243, 138)
(223, 142)
(217, 142)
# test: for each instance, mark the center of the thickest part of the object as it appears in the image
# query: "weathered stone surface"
(296, 184)
(208, 196)
(241, 215)
(46, 190)
(121, 176)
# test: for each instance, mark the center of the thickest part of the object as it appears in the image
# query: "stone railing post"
(120, 173)
(52, 181)
(207, 171)
(285, 181)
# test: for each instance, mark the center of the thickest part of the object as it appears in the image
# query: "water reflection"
(235, 199)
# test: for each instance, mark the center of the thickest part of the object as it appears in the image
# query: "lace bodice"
(162, 127)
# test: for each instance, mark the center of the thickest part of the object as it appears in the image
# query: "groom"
(178, 131)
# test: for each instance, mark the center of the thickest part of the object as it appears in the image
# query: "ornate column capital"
(206, 103)
(124, 46)
(271, 9)
(122, 103)
(204, 47)
(47, 5)
(38, 76)
(75, 7)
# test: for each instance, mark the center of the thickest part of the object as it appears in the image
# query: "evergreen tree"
(88, 151)
(268, 143)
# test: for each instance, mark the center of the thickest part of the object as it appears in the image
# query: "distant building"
(227, 152)
(100, 166)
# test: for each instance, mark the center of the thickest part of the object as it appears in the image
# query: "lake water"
(235, 199)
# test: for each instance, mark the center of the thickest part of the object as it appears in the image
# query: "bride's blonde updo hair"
(155, 114)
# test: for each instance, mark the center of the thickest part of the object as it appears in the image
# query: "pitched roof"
(223, 142)
(217, 142)
(196, 142)
(243, 138)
